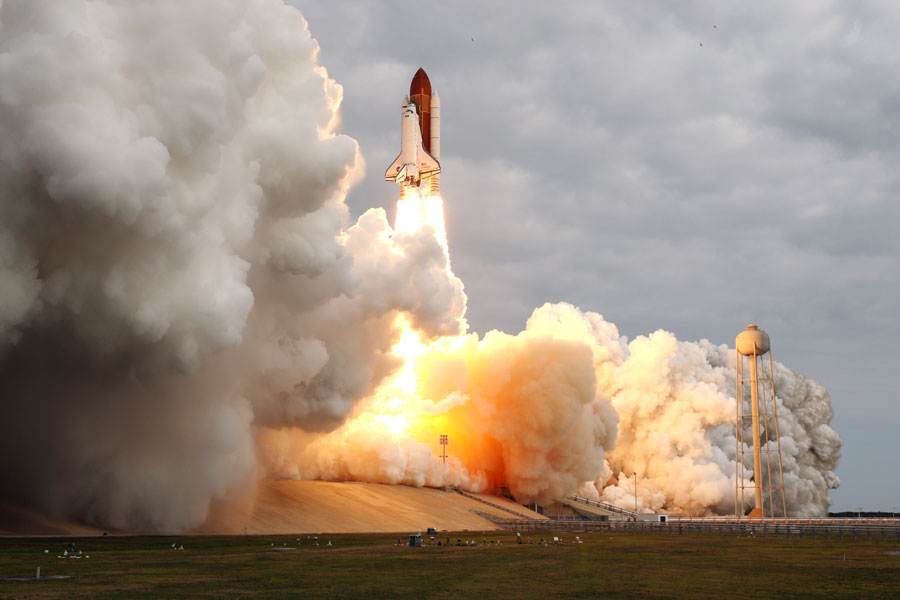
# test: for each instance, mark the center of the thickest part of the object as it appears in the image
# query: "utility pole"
(444, 442)
(635, 494)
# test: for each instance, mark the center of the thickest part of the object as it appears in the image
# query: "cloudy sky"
(688, 167)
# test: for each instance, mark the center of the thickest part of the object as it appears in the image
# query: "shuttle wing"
(428, 165)
(397, 170)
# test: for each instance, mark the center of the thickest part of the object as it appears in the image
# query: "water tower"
(753, 344)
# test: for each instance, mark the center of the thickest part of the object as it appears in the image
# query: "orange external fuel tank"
(420, 93)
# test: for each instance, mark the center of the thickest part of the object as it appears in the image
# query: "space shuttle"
(420, 137)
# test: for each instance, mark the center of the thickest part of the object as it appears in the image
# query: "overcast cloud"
(691, 167)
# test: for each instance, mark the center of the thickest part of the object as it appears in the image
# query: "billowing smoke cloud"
(521, 412)
(186, 306)
(675, 402)
(175, 263)
(569, 404)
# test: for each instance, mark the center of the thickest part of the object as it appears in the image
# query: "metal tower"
(753, 343)
(444, 441)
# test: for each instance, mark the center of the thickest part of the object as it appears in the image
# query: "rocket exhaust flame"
(416, 211)
(186, 307)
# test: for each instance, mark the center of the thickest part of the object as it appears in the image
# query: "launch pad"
(285, 506)
(290, 506)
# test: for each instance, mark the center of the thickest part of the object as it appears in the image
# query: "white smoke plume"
(176, 265)
(676, 408)
(185, 305)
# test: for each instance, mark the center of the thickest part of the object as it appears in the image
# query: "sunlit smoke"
(654, 409)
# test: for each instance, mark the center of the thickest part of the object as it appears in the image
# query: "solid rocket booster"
(435, 146)
(420, 137)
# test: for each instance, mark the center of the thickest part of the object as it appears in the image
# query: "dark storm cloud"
(688, 167)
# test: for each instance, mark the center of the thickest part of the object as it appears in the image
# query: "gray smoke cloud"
(185, 305)
(176, 264)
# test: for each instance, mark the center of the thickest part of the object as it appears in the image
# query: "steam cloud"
(568, 405)
(185, 305)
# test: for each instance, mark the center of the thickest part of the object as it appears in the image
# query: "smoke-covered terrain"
(185, 305)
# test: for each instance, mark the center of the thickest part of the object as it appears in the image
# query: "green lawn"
(617, 565)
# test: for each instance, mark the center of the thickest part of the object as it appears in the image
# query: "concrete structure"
(603, 510)
(652, 518)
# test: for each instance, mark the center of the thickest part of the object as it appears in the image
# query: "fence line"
(765, 529)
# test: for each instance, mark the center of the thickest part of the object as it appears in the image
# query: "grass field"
(618, 565)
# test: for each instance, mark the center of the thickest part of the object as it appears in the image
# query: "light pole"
(444, 441)
(635, 494)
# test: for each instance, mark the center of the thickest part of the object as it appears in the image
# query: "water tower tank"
(752, 341)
